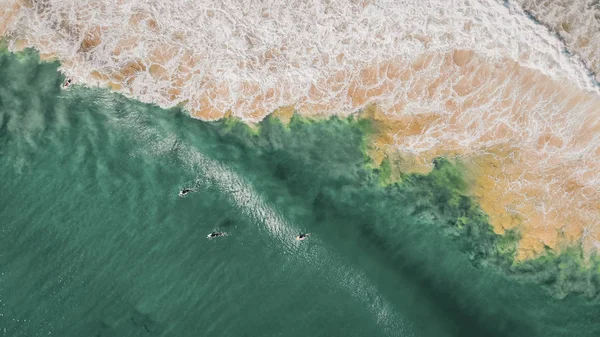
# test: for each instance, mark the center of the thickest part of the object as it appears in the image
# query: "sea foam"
(251, 58)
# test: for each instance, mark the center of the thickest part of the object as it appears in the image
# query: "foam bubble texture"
(576, 21)
(251, 57)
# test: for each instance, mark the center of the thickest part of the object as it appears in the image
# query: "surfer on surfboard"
(301, 236)
(215, 234)
(186, 191)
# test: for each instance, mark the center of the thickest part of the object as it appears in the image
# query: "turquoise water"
(94, 240)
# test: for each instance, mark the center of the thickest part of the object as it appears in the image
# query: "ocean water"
(94, 240)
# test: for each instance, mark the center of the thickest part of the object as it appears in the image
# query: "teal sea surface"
(95, 241)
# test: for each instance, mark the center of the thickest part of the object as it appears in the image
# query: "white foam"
(282, 46)
(576, 21)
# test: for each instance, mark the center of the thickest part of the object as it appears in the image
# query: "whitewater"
(251, 58)
(477, 79)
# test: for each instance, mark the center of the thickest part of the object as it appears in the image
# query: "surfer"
(186, 191)
(215, 234)
(302, 236)
(67, 83)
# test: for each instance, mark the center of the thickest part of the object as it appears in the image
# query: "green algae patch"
(506, 246)
(3, 46)
(236, 125)
(563, 274)
(385, 171)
